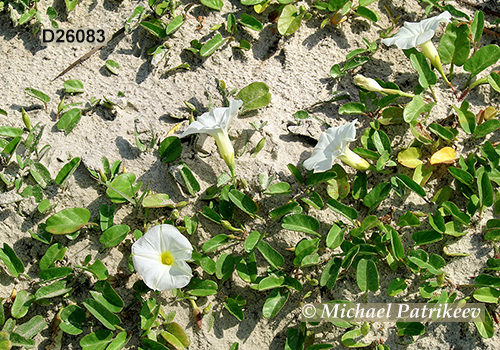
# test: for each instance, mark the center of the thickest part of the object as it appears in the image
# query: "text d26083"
(74, 37)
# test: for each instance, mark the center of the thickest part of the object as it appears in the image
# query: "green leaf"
(211, 45)
(412, 185)
(352, 108)
(149, 313)
(157, 200)
(455, 229)
(38, 95)
(485, 328)
(289, 20)
(255, 95)
(477, 26)
(114, 235)
(106, 215)
(457, 214)
(487, 127)
(485, 190)
(191, 224)
(367, 13)
(410, 157)
(68, 221)
(330, 273)
(397, 286)
(18, 340)
(397, 248)
(40, 174)
(466, 118)
(232, 306)
(113, 66)
(270, 254)
(437, 222)
(52, 290)
(213, 4)
(54, 253)
(170, 149)
(55, 273)
(97, 340)
(123, 188)
(31, 328)
(275, 302)
(98, 269)
(251, 22)
(305, 248)
(410, 328)
(99, 311)
(243, 202)
(426, 77)
(67, 170)
(409, 219)
(247, 268)
(351, 339)
(211, 215)
(442, 195)
(444, 133)
(494, 80)
(301, 223)
(73, 86)
(335, 237)
(69, 120)
(487, 295)
(377, 195)
(72, 317)
(107, 296)
(251, 241)
(487, 280)
(359, 187)
(295, 339)
(7, 131)
(278, 189)
(314, 179)
(175, 24)
(271, 282)
(483, 58)
(416, 107)
(9, 257)
(369, 222)
(119, 342)
(426, 237)
(153, 345)
(215, 242)
(340, 208)
(367, 275)
(201, 288)
(176, 330)
(71, 4)
(190, 181)
(292, 207)
(454, 46)
(21, 304)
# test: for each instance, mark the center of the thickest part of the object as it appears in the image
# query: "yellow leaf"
(337, 18)
(446, 155)
(410, 157)
(174, 129)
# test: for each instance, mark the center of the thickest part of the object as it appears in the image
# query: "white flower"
(417, 33)
(421, 33)
(215, 123)
(160, 258)
(372, 85)
(332, 144)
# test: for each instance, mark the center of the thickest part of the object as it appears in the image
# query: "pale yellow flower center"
(167, 258)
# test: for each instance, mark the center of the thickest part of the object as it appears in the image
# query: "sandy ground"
(296, 69)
